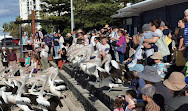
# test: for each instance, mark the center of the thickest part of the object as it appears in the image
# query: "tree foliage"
(13, 28)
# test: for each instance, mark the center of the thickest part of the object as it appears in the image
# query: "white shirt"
(92, 41)
(98, 46)
(114, 35)
(105, 48)
(36, 43)
(61, 40)
(44, 51)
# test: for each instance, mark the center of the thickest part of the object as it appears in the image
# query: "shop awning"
(145, 6)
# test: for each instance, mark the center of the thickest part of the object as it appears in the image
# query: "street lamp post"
(72, 15)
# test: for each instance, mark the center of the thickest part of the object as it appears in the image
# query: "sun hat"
(175, 82)
(68, 34)
(150, 74)
(3, 48)
(148, 90)
(162, 24)
(10, 48)
(157, 55)
(137, 67)
(146, 27)
(106, 26)
(80, 31)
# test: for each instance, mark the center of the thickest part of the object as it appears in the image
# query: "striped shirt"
(152, 106)
(186, 34)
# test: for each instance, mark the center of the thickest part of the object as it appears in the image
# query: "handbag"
(122, 47)
(168, 40)
(180, 59)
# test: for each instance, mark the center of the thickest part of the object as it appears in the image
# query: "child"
(63, 59)
(34, 64)
(149, 35)
(130, 99)
(105, 47)
(161, 68)
(119, 104)
(27, 60)
(147, 94)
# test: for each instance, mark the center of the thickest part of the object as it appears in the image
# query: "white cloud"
(1, 28)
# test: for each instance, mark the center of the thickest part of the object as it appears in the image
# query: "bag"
(162, 46)
(168, 40)
(122, 47)
(180, 59)
(60, 63)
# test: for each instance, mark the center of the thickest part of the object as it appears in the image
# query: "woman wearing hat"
(176, 84)
(4, 57)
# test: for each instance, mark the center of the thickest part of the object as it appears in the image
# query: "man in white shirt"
(94, 34)
(98, 44)
(61, 41)
(44, 55)
(114, 34)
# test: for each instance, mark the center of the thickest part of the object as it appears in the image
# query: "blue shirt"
(24, 40)
(55, 40)
(27, 60)
(186, 34)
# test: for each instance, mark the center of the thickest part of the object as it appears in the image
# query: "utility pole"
(72, 15)
(33, 23)
(21, 45)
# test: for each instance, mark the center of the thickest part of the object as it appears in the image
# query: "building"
(135, 15)
(25, 9)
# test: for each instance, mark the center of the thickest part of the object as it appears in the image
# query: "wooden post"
(33, 23)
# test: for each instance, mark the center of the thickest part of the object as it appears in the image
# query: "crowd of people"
(156, 57)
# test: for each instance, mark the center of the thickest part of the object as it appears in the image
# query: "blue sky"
(9, 10)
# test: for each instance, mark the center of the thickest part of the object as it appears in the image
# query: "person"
(105, 48)
(98, 44)
(4, 58)
(176, 84)
(63, 60)
(121, 41)
(85, 40)
(130, 98)
(39, 34)
(137, 81)
(161, 68)
(70, 39)
(186, 33)
(92, 40)
(27, 60)
(55, 43)
(12, 58)
(181, 36)
(162, 95)
(114, 34)
(44, 55)
(147, 95)
(35, 65)
(147, 34)
(24, 39)
(29, 44)
(159, 41)
(61, 41)
(48, 41)
(36, 43)
(119, 103)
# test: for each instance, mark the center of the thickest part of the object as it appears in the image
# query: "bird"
(53, 88)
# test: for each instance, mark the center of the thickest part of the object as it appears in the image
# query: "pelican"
(53, 88)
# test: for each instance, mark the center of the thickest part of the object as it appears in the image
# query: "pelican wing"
(62, 87)
(43, 102)
(101, 69)
(115, 64)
